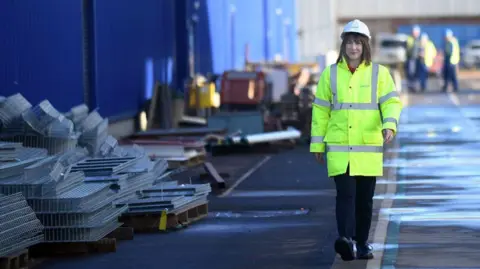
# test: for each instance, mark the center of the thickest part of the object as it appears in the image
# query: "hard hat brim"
(354, 32)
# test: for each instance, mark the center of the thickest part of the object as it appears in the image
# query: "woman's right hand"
(320, 158)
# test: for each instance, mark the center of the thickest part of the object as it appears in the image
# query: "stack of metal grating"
(11, 110)
(94, 132)
(40, 126)
(110, 148)
(127, 175)
(12, 152)
(167, 195)
(70, 210)
(78, 193)
(19, 227)
(77, 114)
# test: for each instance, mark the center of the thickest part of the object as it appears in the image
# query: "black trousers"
(354, 205)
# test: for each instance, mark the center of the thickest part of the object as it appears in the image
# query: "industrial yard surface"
(175, 134)
(281, 214)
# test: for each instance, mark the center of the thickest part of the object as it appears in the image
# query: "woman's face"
(353, 48)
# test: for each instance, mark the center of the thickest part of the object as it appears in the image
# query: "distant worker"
(428, 52)
(411, 65)
(346, 124)
(451, 60)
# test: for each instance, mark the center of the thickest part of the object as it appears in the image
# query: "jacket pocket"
(336, 138)
(373, 138)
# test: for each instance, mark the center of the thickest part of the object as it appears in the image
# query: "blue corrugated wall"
(282, 29)
(436, 32)
(41, 51)
(226, 27)
(134, 44)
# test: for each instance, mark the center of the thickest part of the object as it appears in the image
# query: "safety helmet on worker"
(357, 27)
(448, 33)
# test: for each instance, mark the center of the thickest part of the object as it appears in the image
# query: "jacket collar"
(343, 64)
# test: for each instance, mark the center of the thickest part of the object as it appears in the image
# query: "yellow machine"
(208, 97)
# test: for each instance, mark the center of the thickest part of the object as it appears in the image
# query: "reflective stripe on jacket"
(347, 117)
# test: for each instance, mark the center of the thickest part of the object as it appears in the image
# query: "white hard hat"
(356, 26)
(424, 36)
(448, 33)
(416, 28)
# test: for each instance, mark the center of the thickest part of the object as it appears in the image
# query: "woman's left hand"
(388, 135)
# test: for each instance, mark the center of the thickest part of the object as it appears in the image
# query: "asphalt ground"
(281, 215)
(434, 219)
(428, 214)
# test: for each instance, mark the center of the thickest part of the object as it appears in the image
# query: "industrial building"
(320, 22)
(99, 51)
(195, 134)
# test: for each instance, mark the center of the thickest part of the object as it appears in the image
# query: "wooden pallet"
(194, 161)
(104, 245)
(15, 261)
(172, 220)
(122, 233)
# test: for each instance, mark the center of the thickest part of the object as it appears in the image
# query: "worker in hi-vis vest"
(356, 110)
(451, 60)
(427, 55)
(412, 61)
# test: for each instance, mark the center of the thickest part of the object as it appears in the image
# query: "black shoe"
(364, 252)
(344, 248)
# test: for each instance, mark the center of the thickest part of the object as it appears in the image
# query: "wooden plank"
(15, 261)
(194, 161)
(104, 245)
(220, 182)
(180, 218)
(122, 233)
(153, 106)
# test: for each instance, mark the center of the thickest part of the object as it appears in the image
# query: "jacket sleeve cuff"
(390, 125)
(317, 147)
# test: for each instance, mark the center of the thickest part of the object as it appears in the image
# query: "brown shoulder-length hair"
(366, 49)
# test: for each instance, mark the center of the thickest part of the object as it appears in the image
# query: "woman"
(356, 111)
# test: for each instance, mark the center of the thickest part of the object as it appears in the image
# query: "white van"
(390, 48)
(471, 54)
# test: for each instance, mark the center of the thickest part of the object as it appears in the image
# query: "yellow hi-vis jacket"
(430, 52)
(410, 47)
(455, 58)
(348, 115)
